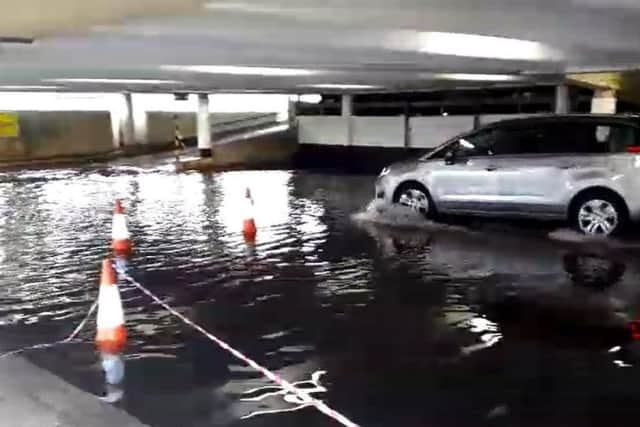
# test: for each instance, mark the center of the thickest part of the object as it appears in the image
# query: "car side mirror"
(449, 157)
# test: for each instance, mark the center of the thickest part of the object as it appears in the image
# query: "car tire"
(415, 196)
(599, 213)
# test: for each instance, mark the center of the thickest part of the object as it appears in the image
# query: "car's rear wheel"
(416, 197)
(599, 213)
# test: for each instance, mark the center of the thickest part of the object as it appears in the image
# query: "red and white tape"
(71, 339)
(286, 385)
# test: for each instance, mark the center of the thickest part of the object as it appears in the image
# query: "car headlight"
(384, 172)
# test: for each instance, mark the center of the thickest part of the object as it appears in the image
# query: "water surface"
(428, 326)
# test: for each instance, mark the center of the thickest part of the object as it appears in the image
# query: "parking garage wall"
(44, 135)
(53, 134)
(160, 126)
(393, 126)
(384, 132)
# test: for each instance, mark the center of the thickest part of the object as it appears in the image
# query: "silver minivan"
(581, 168)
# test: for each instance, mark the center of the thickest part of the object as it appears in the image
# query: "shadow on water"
(547, 315)
(435, 325)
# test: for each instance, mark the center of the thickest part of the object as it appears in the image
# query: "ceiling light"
(241, 70)
(477, 77)
(29, 87)
(341, 86)
(114, 81)
(477, 46)
(312, 98)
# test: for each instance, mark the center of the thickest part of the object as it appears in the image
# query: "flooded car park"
(389, 319)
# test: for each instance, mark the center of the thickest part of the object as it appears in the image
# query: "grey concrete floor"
(32, 397)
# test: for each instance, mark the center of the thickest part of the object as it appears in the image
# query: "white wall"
(431, 131)
(371, 131)
(324, 130)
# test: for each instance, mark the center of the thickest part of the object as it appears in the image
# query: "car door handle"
(491, 168)
(567, 166)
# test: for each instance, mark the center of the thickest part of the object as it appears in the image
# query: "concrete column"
(347, 113)
(292, 107)
(127, 125)
(562, 99)
(204, 126)
(407, 124)
(140, 131)
(347, 105)
(116, 128)
(604, 101)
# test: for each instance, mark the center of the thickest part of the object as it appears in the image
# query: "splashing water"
(378, 212)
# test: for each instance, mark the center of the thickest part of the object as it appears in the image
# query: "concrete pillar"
(140, 132)
(347, 113)
(292, 107)
(604, 101)
(347, 105)
(127, 125)
(562, 99)
(204, 126)
(407, 124)
(116, 128)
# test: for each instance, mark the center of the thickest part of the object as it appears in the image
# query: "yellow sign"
(9, 127)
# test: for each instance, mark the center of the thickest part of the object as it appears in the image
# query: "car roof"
(609, 118)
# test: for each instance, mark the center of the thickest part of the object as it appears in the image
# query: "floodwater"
(397, 322)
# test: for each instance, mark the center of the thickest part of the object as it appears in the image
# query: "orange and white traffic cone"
(111, 334)
(248, 225)
(121, 243)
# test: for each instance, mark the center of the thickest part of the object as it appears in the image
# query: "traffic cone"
(111, 335)
(249, 225)
(121, 244)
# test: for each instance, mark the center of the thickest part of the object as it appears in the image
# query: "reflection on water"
(311, 387)
(113, 366)
(392, 325)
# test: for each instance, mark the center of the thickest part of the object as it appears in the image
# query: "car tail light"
(634, 328)
(633, 149)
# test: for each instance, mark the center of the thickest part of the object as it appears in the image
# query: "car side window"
(518, 140)
(476, 144)
(547, 138)
(588, 138)
(577, 137)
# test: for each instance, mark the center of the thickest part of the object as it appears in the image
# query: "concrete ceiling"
(372, 44)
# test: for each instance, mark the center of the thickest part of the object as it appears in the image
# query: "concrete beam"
(25, 17)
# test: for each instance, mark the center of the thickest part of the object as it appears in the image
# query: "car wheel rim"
(597, 217)
(416, 200)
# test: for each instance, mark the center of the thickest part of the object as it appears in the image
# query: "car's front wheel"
(416, 197)
(599, 214)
